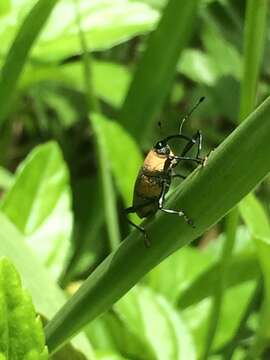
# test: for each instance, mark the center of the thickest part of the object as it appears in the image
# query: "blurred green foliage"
(67, 168)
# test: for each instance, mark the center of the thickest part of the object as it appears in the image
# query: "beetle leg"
(186, 158)
(171, 211)
(143, 231)
(196, 139)
(133, 209)
(191, 143)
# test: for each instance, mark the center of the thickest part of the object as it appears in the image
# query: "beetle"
(155, 176)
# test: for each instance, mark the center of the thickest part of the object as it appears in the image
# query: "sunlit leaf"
(37, 282)
(235, 301)
(144, 325)
(6, 179)
(121, 20)
(38, 203)
(123, 155)
(258, 223)
(21, 333)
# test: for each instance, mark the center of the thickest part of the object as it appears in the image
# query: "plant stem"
(105, 174)
(91, 99)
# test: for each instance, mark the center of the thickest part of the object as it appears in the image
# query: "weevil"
(156, 174)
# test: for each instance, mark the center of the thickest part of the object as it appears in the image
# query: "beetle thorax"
(158, 162)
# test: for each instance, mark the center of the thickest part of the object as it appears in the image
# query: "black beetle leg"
(187, 158)
(171, 211)
(197, 139)
(133, 209)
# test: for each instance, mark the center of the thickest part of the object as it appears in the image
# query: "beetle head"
(162, 148)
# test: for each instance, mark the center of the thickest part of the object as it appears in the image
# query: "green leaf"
(196, 65)
(190, 275)
(223, 56)
(141, 309)
(19, 51)
(240, 270)
(37, 282)
(219, 59)
(21, 334)
(39, 204)
(144, 325)
(108, 192)
(123, 153)
(6, 178)
(233, 307)
(205, 197)
(258, 224)
(175, 274)
(4, 7)
(12, 245)
(155, 72)
(105, 23)
(110, 80)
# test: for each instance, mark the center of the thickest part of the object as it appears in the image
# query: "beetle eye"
(159, 145)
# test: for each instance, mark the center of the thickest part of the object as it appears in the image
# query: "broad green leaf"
(39, 204)
(144, 325)
(6, 179)
(235, 301)
(258, 224)
(37, 282)
(121, 20)
(151, 318)
(204, 196)
(241, 269)
(5, 6)
(154, 74)
(110, 80)
(219, 59)
(191, 274)
(176, 273)
(21, 333)
(197, 66)
(223, 56)
(105, 23)
(123, 153)
(12, 245)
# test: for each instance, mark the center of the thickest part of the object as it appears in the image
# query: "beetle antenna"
(160, 128)
(186, 117)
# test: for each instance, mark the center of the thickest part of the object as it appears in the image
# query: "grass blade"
(255, 21)
(156, 70)
(206, 199)
(19, 51)
(255, 29)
